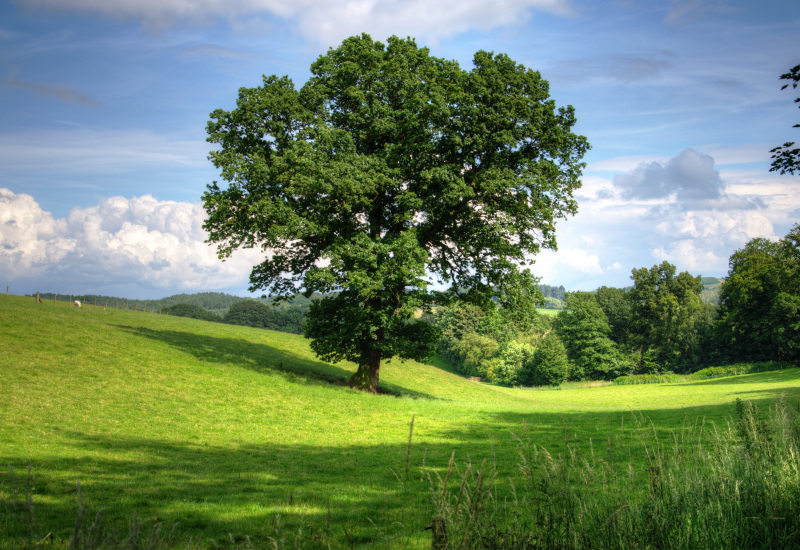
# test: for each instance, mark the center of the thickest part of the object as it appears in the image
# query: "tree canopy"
(667, 314)
(760, 300)
(388, 168)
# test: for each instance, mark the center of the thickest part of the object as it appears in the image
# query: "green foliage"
(475, 351)
(760, 300)
(660, 378)
(550, 366)
(618, 308)
(188, 310)
(387, 166)
(484, 343)
(583, 329)
(786, 158)
(516, 365)
(553, 303)
(253, 313)
(669, 319)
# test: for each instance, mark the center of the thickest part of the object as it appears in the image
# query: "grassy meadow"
(241, 435)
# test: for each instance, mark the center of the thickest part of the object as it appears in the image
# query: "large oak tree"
(387, 169)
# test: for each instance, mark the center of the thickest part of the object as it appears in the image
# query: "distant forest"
(285, 315)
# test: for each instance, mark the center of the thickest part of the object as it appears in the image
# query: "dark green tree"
(760, 300)
(583, 329)
(550, 365)
(250, 313)
(666, 311)
(389, 167)
(192, 311)
(617, 305)
(786, 158)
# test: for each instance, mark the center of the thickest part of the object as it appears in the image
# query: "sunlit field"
(238, 434)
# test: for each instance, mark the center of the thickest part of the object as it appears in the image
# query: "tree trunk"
(367, 376)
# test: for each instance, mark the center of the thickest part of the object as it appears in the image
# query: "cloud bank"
(138, 247)
(325, 22)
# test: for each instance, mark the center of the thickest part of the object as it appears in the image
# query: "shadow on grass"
(771, 377)
(346, 495)
(259, 357)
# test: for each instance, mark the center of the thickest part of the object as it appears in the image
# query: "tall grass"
(737, 486)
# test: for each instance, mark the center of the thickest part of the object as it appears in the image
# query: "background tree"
(666, 308)
(583, 329)
(389, 166)
(786, 158)
(617, 305)
(192, 311)
(760, 300)
(549, 366)
(250, 313)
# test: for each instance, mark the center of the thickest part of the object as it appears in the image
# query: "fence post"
(54, 298)
(439, 541)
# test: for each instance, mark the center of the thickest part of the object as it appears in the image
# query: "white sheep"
(78, 303)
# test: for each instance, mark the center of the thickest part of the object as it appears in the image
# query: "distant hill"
(711, 289)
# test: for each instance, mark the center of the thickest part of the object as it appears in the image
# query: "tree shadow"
(260, 358)
(790, 374)
(350, 494)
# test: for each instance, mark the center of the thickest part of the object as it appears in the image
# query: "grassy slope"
(219, 427)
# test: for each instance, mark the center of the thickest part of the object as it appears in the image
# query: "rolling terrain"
(234, 432)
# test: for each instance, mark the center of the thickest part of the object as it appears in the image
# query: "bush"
(474, 352)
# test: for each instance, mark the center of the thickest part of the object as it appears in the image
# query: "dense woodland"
(665, 322)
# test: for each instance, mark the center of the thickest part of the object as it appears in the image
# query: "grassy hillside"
(232, 430)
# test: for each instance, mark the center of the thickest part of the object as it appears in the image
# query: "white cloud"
(703, 241)
(680, 209)
(139, 245)
(326, 22)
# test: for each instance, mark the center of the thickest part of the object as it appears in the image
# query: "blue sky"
(104, 106)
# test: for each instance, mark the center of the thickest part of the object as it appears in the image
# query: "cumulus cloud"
(690, 178)
(703, 241)
(326, 22)
(140, 244)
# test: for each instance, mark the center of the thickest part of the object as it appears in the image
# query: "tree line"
(659, 324)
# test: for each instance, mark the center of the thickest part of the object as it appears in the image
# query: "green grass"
(225, 428)
(548, 312)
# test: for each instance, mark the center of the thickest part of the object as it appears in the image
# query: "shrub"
(474, 352)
